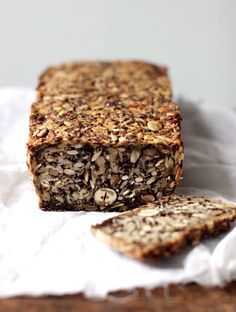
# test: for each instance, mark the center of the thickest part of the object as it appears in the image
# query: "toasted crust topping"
(107, 103)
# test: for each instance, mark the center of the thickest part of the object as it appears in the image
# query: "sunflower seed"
(105, 196)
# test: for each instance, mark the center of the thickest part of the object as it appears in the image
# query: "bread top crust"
(106, 103)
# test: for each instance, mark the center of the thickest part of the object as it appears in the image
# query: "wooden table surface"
(174, 298)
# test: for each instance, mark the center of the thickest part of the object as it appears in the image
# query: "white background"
(195, 38)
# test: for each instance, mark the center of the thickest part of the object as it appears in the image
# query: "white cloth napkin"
(55, 253)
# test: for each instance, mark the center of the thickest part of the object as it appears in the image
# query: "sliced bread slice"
(165, 227)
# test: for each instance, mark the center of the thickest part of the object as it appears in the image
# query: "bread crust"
(83, 101)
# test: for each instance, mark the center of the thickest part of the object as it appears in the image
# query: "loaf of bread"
(165, 227)
(104, 136)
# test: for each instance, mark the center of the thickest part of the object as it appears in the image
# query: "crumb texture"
(73, 177)
(164, 227)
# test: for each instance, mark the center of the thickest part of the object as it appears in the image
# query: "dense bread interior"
(93, 178)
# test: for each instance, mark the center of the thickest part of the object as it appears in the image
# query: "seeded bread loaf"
(163, 228)
(104, 136)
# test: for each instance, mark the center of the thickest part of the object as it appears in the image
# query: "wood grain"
(174, 298)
